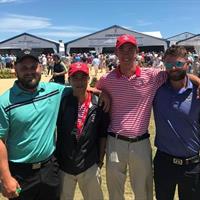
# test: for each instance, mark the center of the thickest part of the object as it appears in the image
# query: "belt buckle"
(177, 161)
(36, 165)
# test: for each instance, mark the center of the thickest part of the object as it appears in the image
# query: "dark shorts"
(37, 184)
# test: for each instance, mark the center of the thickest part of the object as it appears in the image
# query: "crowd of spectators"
(102, 62)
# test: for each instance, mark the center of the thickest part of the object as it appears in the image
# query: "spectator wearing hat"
(81, 139)
(128, 138)
(28, 114)
(59, 70)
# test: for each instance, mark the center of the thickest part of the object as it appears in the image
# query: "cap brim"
(134, 44)
(71, 74)
(27, 56)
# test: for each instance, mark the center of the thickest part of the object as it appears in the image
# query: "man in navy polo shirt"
(28, 114)
(177, 160)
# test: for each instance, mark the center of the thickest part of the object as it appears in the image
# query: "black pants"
(167, 175)
(37, 184)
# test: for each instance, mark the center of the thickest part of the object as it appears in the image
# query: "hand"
(55, 74)
(196, 81)
(9, 188)
(105, 100)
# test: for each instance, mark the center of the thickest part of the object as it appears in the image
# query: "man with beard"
(177, 114)
(28, 114)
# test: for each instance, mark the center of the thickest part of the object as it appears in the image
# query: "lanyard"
(82, 116)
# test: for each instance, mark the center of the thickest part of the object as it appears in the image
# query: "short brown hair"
(175, 50)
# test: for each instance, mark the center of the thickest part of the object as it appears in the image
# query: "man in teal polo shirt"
(28, 114)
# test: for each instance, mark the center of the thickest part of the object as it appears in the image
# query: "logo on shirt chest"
(139, 82)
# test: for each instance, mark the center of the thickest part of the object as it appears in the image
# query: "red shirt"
(131, 99)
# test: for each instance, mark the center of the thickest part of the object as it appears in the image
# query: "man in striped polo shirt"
(132, 90)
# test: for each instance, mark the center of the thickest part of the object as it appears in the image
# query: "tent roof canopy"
(26, 40)
(181, 36)
(113, 27)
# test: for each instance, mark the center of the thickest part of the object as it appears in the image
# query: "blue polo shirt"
(177, 122)
(28, 121)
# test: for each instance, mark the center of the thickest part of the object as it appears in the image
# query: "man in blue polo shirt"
(177, 160)
(28, 114)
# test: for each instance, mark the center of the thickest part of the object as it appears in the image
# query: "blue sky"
(71, 19)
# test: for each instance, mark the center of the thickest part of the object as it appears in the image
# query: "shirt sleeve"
(159, 76)
(4, 122)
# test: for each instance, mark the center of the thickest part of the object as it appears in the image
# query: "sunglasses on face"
(177, 64)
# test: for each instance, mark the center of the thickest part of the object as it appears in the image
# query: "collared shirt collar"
(17, 90)
(137, 72)
(188, 86)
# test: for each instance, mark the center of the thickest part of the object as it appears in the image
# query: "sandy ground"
(7, 83)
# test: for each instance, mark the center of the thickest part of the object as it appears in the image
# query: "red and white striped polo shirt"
(131, 99)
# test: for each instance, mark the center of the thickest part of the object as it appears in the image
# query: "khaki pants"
(89, 183)
(137, 156)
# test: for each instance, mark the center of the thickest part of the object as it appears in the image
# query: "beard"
(177, 75)
(29, 83)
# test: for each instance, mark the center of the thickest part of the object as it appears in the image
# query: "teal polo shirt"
(28, 121)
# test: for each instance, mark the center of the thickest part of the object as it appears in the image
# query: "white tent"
(106, 38)
(28, 41)
(182, 36)
(193, 41)
(153, 33)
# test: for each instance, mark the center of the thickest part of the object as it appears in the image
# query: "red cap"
(78, 67)
(122, 39)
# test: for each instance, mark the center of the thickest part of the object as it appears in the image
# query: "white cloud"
(9, 1)
(41, 26)
(21, 23)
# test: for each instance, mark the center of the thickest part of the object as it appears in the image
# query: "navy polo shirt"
(28, 121)
(176, 116)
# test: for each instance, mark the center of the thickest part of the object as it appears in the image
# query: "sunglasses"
(177, 64)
